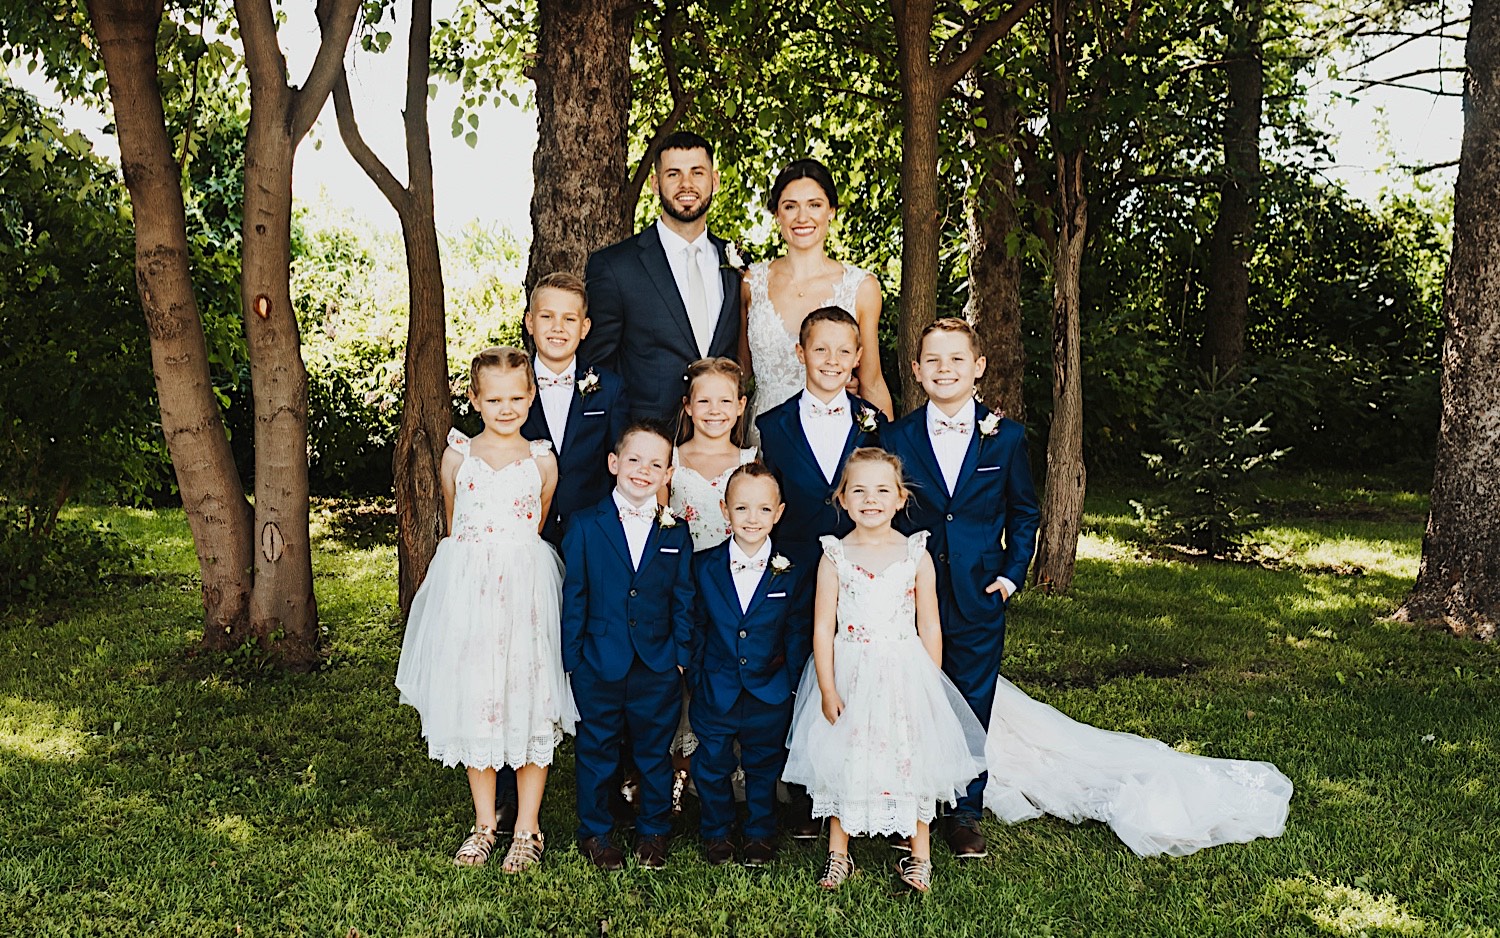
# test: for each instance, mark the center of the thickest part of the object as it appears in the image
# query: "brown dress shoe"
(651, 852)
(759, 852)
(718, 852)
(964, 838)
(602, 853)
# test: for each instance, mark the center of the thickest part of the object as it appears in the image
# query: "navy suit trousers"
(645, 702)
(761, 730)
(971, 659)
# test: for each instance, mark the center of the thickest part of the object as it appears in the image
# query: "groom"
(666, 296)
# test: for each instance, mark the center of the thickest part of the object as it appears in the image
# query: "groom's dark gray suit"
(640, 325)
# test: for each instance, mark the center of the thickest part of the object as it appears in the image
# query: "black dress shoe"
(505, 818)
(651, 851)
(602, 853)
(718, 852)
(964, 838)
(804, 826)
(759, 852)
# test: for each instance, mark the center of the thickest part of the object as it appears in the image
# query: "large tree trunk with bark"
(1458, 584)
(579, 170)
(212, 496)
(994, 306)
(1227, 307)
(921, 99)
(1062, 499)
(426, 410)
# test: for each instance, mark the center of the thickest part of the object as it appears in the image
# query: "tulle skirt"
(482, 657)
(1156, 799)
(905, 740)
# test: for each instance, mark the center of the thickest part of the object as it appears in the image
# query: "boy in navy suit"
(627, 617)
(805, 442)
(580, 408)
(806, 439)
(972, 491)
(751, 632)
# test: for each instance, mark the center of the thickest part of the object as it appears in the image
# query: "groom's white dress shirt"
(950, 447)
(708, 265)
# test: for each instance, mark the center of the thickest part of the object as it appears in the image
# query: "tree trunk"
(1227, 305)
(994, 306)
(921, 100)
(1062, 500)
(579, 170)
(212, 496)
(1458, 584)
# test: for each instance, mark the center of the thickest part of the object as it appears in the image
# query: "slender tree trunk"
(994, 306)
(1062, 500)
(579, 169)
(1227, 307)
(212, 496)
(1458, 584)
(921, 101)
(426, 410)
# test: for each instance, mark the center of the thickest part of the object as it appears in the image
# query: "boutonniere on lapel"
(588, 384)
(867, 420)
(665, 518)
(780, 565)
(732, 258)
(990, 425)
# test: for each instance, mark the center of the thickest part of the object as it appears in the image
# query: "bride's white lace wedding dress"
(1156, 799)
(773, 352)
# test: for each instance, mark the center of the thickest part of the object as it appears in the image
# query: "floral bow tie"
(942, 425)
(740, 566)
(814, 409)
(555, 381)
(646, 513)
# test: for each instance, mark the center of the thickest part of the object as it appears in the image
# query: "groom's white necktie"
(697, 303)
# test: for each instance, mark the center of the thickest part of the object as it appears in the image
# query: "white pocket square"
(670, 550)
(776, 596)
(593, 413)
(989, 468)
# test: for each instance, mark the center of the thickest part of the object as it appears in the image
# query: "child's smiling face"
(830, 356)
(503, 399)
(871, 493)
(714, 405)
(948, 368)
(642, 466)
(753, 506)
(557, 322)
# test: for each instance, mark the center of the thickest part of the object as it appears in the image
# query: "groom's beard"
(697, 212)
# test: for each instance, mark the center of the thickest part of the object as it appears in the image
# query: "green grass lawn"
(145, 792)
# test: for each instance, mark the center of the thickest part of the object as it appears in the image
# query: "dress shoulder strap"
(915, 545)
(540, 448)
(458, 441)
(759, 278)
(747, 455)
(833, 548)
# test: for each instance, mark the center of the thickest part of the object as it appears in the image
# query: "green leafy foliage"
(65, 563)
(1212, 456)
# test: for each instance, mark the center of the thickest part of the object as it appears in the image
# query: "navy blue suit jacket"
(610, 613)
(595, 422)
(811, 509)
(640, 323)
(761, 650)
(987, 528)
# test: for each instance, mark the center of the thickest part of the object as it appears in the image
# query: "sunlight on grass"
(1343, 551)
(1107, 548)
(35, 731)
(1339, 791)
(1347, 910)
(233, 828)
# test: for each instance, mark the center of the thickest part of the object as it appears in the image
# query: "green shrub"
(1212, 452)
(48, 563)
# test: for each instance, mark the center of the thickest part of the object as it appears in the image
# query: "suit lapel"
(971, 455)
(614, 532)
(729, 309)
(728, 595)
(574, 419)
(761, 589)
(648, 553)
(654, 260)
(856, 407)
(926, 458)
(793, 426)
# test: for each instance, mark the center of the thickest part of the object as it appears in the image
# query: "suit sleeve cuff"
(1010, 587)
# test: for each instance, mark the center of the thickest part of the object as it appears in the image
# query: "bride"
(777, 295)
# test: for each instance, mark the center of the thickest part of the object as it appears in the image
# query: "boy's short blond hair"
(564, 281)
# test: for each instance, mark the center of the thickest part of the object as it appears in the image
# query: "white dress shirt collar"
(674, 244)
(746, 581)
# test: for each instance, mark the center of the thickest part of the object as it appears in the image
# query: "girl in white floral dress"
(880, 735)
(709, 431)
(482, 657)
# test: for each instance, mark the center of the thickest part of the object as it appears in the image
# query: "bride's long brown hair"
(726, 367)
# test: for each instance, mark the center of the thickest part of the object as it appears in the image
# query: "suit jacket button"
(950, 517)
(632, 622)
(828, 501)
(744, 661)
(632, 592)
(743, 633)
(942, 558)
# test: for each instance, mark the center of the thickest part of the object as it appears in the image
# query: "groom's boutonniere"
(665, 518)
(732, 258)
(867, 420)
(990, 425)
(588, 384)
(780, 565)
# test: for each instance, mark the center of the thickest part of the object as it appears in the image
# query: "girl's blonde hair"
(873, 454)
(725, 367)
(502, 358)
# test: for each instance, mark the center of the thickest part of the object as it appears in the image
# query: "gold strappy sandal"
(475, 850)
(524, 853)
(838, 868)
(916, 873)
